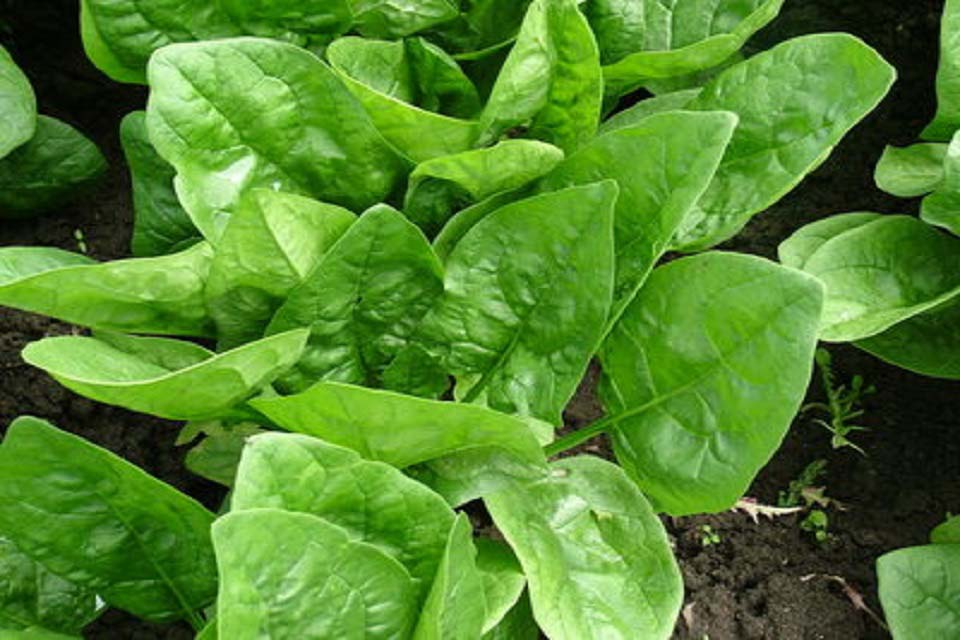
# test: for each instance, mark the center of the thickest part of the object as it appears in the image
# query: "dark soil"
(767, 580)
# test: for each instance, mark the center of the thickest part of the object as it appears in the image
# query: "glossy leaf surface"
(920, 591)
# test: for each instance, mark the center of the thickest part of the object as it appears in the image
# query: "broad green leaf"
(947, 119)
(454, 609)
(371, 501)
(908, 172)
(482, 25)
(518, 624)
(461, 223)
(416, 133)
(550, 82)
(694, 80)
(18, 105)
(662, 39)
(362, 301)
(441, 84)
(400, 430)
(31, 596)
(161, 295)
(597, 559)
(675, 101)
(303, 22)
(160, 225)
(232, 115)
(942, 207)
(46, 171)
(795, 103)
(417, 373)
(881, 273)
(947, 532)
(399, 18)
(442, 186)
(167, 378)
(526, 295)
(797, 249)
(920, 591)
(662, 164)
(272, 242)
(36, 633)
(704, 373)
(99, 522)
(217, 455)
(503, 580)
(294, 575)
(120, 35)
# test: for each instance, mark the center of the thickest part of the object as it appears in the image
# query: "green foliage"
(796, 494)
(842, 405)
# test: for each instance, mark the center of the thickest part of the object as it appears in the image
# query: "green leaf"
(551, 81)
(947, 532)
(655, 39)
(526, 296)
(457, 227)
(232, 115)
(675, 101)
(417, 373)
(99, 522)
(942, 207)
(662, 164)
(35, 633)
(947, 119)
(920, 591)
(399, 516)
(597, 559)
(454, 610)
(483, 25)
(796, 250)
(144, 295)
(160, 225)
(441, 84)
(881, 273)
(400, 430)
(442, 186)
(503, 580)
(18, 105)
(293, 575)
(272, 242)
(31, 596)
(795, 103)
(46, 171)
(217, 456)
(310, 22)
(908, 172)
(518, 624)
(399, 18)
(167, 378)
(704, 373)
(100, 53)
(362, 301)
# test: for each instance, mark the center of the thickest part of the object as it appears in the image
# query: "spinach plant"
(43, 161)
(408, 269)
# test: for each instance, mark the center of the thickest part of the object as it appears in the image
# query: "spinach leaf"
(303, 22)
(464, 220)
(947, 532)
(704, 373)
(947, 119)
(399, 18)
(596, 557)
(362, 301)
(18, 105)
(269, 247)
(483, 25)
(907, 172)
(300, 131)
(942, 207)
(503, 580)
(217, 455)
(920, 590)
(44, 172)
(161, 295)
(796, 250)
(526, 295)
(99, 522)
(795, 103)
(101, 54)
(167, 378)
(518, 624)
(160, 225)
(312, 581)
(441, 84)
(675, 101)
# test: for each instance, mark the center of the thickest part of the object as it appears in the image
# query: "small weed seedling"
(842, 405)
(800, 490)
(708, 536)
(818, 524)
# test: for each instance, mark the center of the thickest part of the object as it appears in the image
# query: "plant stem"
(571, 440)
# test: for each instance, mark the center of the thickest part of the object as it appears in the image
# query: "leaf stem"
(580, 436)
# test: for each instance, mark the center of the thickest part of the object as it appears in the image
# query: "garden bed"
(759, 580)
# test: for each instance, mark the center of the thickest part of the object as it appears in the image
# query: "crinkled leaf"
(942, 207)
(232, 115)
(482, 25)
(399, 18)
(704, 373)
(503, 579)
(161, 295)
(920, 591)
(294, 575)
(167, 378)
(417, 373)
(675, 101)
(304, 22)
(947, 119)
(362, 301)
(597, 559)
(18, 105)
(98, 521)
(907, 172)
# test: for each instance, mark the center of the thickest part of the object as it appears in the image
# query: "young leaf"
(304, 22)
(269, 247)
(161, 295)
(663, 165)
(293, 575)
(942, 207)
(362, 301)
(99, 522)
(703, 374)
(160, 225)
(597, 559)
(527, 292)
(18, 105)
(947, 120)
(908, 172)
(299, 131)
(400, 430)
(44, 172)
(920, 591)
(167, 378)
(813, 89)
(503, 579)
(796, 250)
(401, 517)
(398, 18)
(551, 80)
